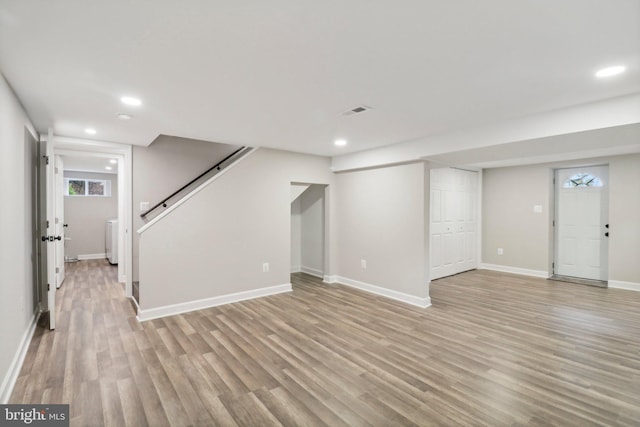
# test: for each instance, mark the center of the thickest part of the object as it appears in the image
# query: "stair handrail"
(218, 165)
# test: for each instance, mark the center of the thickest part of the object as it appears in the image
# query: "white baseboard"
(330, 279)
(388, 293)
(312, 271)
(135, 303)
(514, 270)
(618, 284)
(296, 269)
(91, 256)
(171, 310)
(9, 381)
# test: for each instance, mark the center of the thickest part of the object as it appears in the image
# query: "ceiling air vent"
(357, 110)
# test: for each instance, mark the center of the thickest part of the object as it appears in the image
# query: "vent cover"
(356, 110)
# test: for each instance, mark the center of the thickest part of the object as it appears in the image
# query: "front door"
(582, 222)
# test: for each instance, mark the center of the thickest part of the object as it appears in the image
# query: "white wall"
(236, 224)
(312, 230)
(18, 296)
(382, 218)
(87, 217)
(296, 236)
(509, 195)
(163, 167)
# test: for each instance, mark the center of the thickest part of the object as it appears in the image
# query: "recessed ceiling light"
(113, 161)
(108, 168)
(123, 116)
(90, 131)
(611, 71)
(129, 100)
(340, 142)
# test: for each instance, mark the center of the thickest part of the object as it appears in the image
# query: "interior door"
(59, 219)
(582, 223)
(47, 227)
(453, 221)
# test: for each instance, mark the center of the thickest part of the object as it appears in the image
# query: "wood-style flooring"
(494, 349)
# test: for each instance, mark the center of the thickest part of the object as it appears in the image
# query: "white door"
(46, 221)
(453, 221)
(59, 219)
(582, 222)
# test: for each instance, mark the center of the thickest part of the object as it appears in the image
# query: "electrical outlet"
(537, 208)
(144, 206)
(500, 251)
(363, 263)
(265, 267)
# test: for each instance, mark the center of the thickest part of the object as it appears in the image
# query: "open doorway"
(308, 229)
(87, 190)
(87, 162)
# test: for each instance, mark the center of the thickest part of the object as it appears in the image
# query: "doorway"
(582, 223)
(308, 229)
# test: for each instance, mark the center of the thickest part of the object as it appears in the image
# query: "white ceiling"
(279, 73)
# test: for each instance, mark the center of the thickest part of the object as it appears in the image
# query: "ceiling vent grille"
(356, 110)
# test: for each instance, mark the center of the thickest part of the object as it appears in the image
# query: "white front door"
(59, 220)
(453, 221)
(582, 222)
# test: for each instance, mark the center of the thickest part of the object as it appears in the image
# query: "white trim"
(91, 256)
(514, 270)
(173, 309)
(296, 269)
(330, 279)
(619, 284)
(194, 192)
(312, 271)
(388, 293)
(11, 377)
(135, 303)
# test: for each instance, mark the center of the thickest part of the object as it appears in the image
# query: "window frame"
(106, 183)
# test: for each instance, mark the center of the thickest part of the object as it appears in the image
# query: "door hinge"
(56, 171)
(57, 270)
(48, 287)
(553, 222)
(46, 159)
(47, 223)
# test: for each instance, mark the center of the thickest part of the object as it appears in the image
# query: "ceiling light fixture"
(611, 71)
(90, 131)
(108, 168)
(129, 100)
(113, 161)
(123, 116)
(340, 142)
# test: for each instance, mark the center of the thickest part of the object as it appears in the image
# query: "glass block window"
(582, 180)
(87, 187)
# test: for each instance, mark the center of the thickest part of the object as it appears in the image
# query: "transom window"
(581, 180)
(87, 187)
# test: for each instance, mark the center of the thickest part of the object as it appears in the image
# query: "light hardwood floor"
(494, 349)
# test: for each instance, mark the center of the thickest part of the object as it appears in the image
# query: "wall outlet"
(265, 267)
(144, 206)
(500, 251)
(363, 263)
(537, 208)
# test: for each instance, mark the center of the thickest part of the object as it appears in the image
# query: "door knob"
(606, 234)
(65, 225)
